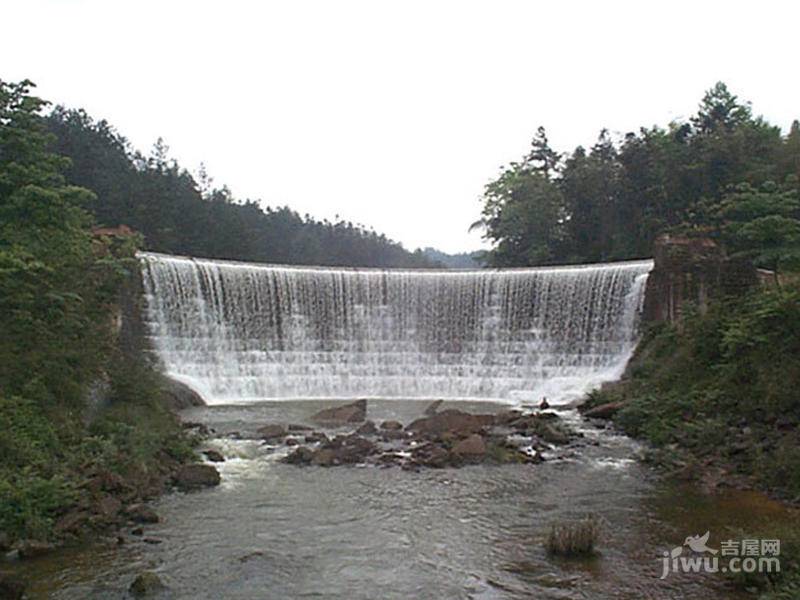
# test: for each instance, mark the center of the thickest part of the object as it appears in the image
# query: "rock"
(472, 447)
(201, 428)
(271, 432)
(296, 427)
(453, 421)
(391, 435)
(178, 396)
(137, 531)
(391, 425)
(315, 437)
(11, 587)
(291, 442)
(34, 548)
(324, 457)
(368, 428)
(354, 412)
(603, 411)
(149, 540)
(146, 584)
(506, 417)
(141, 513)
(431, 455)
(190, 477)
(552, 435)
(301, 456)
(213, 456)
(433, 407)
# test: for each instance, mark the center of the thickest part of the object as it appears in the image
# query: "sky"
(392, 114)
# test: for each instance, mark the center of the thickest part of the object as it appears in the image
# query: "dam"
(240, 332)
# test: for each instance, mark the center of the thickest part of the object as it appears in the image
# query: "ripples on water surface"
(278, 531)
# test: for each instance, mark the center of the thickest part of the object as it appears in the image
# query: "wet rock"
(291, 442)
(433, 407)
(315, 437)
(34, 548)
(472, 447)
(368, 428)
(137, 531)
(296, 427)
(149, 540)
(301, 456)
(603, 411)
(431, 455)
(324, 457)
(271, 432)
(141, 513)
(506, 417)
(11, 587)
(178, 396)
(453, 421)
(191, 477)
(552, 435)
(146, 584)
(354, 412)
(392, 435)
(391, 425)
(213, 456)
(251, 556)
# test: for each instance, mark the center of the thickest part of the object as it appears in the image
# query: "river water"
(273, 530)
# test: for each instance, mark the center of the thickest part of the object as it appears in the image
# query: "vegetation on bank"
(75, 406)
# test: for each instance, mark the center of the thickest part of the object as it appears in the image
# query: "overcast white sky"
(392, 114)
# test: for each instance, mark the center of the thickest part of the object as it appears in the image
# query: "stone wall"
(689, 272)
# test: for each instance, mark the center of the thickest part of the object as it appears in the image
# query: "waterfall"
(240, 331)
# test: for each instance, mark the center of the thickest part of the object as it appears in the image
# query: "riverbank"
(715, 398)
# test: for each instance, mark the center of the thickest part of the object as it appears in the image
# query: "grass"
(574, 538)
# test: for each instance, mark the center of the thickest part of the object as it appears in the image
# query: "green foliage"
(180, 214)
(610, 202)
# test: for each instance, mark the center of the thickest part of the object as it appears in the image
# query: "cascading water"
(239, 331)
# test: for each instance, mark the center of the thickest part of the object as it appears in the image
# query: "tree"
(542, 157)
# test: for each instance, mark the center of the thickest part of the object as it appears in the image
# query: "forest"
(723, 173)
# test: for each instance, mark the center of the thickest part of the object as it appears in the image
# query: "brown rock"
(472, 447)
(603, 411)
(178, 396)
(213, 456)
(454, 421)
(291, 442)
(431, 455)
(368, 428)
(301, 456)
(296, 427)
(146, 584)
(316, 436)
(141, 513)
(354, 412)
(271, 432)
(391, 425)
(194, 476)
(323, 457)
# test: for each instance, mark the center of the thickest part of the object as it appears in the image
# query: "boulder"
(301, 456)
(179, 396)
(141, 513)
(213, 456)
(292, 441)
(11, 587)
(452, 421)
(190, 477)
(368, 428)
(391, 425)
(34, 548)
(354, 412)
(271, 432)
(316, 436)
(431, 455)
(324, 457)
(432, 408)
(297, 427)
(146, 584)
(471, 447)
(603, 411)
